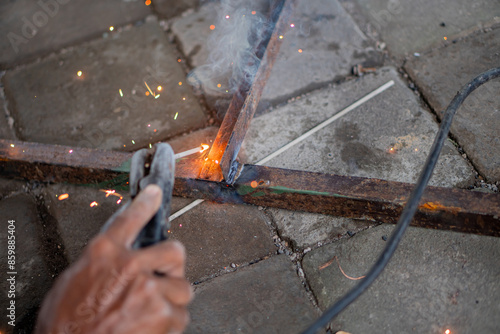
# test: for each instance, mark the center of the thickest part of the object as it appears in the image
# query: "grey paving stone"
(266, 297)
(357, 144)
(170, 9)
(217, 236)
(415, 26)
(193, 30)
(441, 73)
(89, 109)
(5, 130)
(437, 280)
(329, 41)
(33, 277)
(30, 29)
(77, 221)
(9, 186)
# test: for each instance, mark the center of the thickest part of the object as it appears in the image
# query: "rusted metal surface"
(247, 97)
(354, 197)
(228, 162)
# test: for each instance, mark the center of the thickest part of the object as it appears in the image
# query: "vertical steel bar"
(212, 168)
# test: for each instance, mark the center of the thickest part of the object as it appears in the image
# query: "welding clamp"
(154, 166)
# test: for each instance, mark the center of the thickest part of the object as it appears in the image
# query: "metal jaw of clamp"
(156, 166)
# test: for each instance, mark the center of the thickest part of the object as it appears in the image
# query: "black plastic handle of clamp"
(154, 167)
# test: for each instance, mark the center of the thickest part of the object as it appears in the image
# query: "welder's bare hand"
(113, 288)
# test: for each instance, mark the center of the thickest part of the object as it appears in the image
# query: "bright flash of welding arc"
(204, 147)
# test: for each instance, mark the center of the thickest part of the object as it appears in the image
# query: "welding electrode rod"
(186, 153)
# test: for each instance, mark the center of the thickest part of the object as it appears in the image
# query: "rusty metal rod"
(279, 15)
(228, 163)
(354, 197)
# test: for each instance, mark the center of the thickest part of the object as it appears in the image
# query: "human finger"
(178, 291)
(168, 258)
(126, 226)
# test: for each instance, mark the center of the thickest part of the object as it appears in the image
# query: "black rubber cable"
(411, 206)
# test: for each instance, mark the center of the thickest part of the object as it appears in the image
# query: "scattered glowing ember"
(149, 89)
(212, 27)
(254, 184)
(159, 88)
(12, 145)
(300, 50)
(133, 142)
(292, 25)
(147, 2)
(147, 93)
(150, 146)
(180, 83)
(111, 28)
(176, 114)
(154, 130)
(416, 150)
(94, 203)
(254, 12)
(119, 201)
(204, 147)
(109, 192)
(219, 85)
(149, 125)
(157, 96)
(281, 37)
(179, 60)
(447, 331)
(180, 225)
(79, 73)
(227, 16)
(121, 93)
(63, 197)
(70, 151)
(445, 38)
(183, 99)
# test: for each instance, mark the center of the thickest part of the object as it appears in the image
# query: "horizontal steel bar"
(354, 197)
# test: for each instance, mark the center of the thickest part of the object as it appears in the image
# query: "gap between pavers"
(31, 29)
(219, 237)
(52, 104)
(266, 297)
(415, 26)
(33, 278)
(442, 72)
(437, 280)
(322, 47)
(388, 138)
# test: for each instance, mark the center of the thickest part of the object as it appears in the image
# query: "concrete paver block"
(388, 137)
(436, 280)
(442, 72)
(266, 297)
(78, 222)
(322, 46)
(30, 29)
(415, 26)
(5, 129)
(89, 109)
(33, 278)
(170, 9)
(217, 236)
